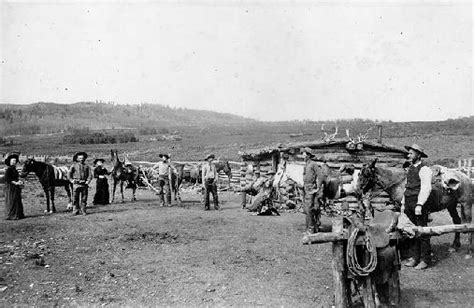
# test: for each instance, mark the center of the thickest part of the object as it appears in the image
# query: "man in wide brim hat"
(10, 156)
(164, 155)
(210, 156)
(307, 151)
(417, 148)
(98, 160)
(74, 158)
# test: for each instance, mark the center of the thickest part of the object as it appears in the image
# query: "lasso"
(351, 256)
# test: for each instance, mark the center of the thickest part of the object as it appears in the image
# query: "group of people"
(417, 191)
(81, 175)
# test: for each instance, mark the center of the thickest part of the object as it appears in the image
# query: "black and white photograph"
(236, 153)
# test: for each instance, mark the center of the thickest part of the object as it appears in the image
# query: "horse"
(335, 184)
(120, 174)
(50, 176)
(449, 187)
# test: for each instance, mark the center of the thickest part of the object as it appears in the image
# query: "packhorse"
(332, 183)
(50, 176)
(447, 192)
(121, 174)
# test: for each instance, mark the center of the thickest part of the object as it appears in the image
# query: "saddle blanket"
(61, 173)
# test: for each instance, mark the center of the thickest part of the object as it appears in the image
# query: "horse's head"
(226, 168)
(367, 177)
(118, 168)
(28, 166)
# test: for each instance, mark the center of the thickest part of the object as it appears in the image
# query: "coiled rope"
(351, 254)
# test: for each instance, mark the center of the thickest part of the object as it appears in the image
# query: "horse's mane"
(396, 174)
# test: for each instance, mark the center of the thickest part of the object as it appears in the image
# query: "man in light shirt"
(164, 170)
(417, 192)
(209, 180)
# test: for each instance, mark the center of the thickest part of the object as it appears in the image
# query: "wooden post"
(243, 169)
(256, 168)
(339, 271)
(275, 161)
(379, 138)
(469, 167)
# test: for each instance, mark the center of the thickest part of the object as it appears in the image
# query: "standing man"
(209, 178)
(417, 191)
(80, 176)
(313, 191)
(164, 173)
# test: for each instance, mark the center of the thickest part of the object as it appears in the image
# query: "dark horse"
(120, 174)
(393, 181)
(49, 177)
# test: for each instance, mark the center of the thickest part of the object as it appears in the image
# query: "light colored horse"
(294, 172)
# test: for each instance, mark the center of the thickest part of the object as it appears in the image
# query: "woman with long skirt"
(13, 186)
(102, 195)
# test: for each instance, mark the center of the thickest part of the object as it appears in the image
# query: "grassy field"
(226, 142)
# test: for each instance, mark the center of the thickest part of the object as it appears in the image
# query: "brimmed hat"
(164, 155)
(271, 172)
(307, 150)
(210, 156)
(74, 158)
(285, 155)
(98, 159)
(10, 156)
(417, 148)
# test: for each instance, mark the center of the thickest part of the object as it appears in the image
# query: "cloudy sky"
(270, 60)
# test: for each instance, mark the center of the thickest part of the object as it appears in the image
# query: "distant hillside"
(47, 118)
(55, 118)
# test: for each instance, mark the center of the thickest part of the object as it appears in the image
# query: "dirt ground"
(137, 253)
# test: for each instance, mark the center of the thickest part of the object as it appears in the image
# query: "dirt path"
(140, 253)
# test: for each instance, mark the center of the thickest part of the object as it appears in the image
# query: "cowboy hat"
(417, 148)
(285, 155)
(10, 156)
(164, 155)
(74, 158)
(210, 156)
(307, 150)
(98, 159)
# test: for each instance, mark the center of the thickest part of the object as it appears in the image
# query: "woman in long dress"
(102, 195)
(13, 186)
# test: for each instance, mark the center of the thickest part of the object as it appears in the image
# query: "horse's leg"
(51, 195)
(68, 188)
(456, 220)
(466, 211)
(133, 193)
(46, 193)
(121, 191)
(113, 191)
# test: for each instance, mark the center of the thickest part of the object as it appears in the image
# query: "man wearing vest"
(418, 189)
(209, 178)
(313, 191)
(164, 170)
(80, 175)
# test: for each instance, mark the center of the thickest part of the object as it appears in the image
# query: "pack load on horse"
(449, 188)
(50, 176)
(334, 185)
(123, 172)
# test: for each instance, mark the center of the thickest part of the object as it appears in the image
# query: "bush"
(86, 137)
